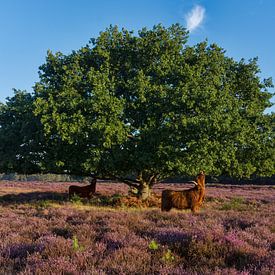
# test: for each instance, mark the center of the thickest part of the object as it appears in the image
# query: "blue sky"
(28, 28)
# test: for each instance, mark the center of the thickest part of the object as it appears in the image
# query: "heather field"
(42, 232)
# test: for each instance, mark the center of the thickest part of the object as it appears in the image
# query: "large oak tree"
(143, 107)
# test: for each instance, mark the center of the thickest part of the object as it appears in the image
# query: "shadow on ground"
(32, 197)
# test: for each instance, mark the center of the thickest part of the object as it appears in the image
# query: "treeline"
(42, 177)
(141, 108)
(48, 177)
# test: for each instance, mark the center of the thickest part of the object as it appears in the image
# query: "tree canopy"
(20, 135)
(143, 107)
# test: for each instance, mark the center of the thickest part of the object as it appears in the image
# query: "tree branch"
(130, 182)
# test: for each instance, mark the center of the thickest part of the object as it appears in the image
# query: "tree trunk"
(146, 182)
(144, 191)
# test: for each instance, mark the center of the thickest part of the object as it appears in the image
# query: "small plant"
(168, 256)
(153, 245)
(76, 246)
(104, 200)
(236, 203)
(116, 196)
(110, 200)
(75, 199)
(43, 204)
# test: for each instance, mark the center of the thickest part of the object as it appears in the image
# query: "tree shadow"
(32, 197)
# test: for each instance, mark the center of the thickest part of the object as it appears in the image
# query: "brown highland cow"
(83, 191)
(186, 199)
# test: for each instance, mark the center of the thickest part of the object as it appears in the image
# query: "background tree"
(20, 135)
(145, 107)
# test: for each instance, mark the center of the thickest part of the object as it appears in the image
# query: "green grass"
(237, 203)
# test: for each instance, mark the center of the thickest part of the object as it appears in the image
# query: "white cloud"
(195, 17)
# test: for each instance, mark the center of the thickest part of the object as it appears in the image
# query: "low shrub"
(236, 203)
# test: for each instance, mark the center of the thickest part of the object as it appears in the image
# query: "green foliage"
(147, 107)
(104, 200)
(75, 199)
(237, 203)
(21, 135)
(75, 244)
(43, 204)
(153, 245)
(168, 256)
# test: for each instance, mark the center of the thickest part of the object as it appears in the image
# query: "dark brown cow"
(186, 199)
(83, 191)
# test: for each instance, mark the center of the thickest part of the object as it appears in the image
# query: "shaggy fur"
(83, 191)
(186, 199)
